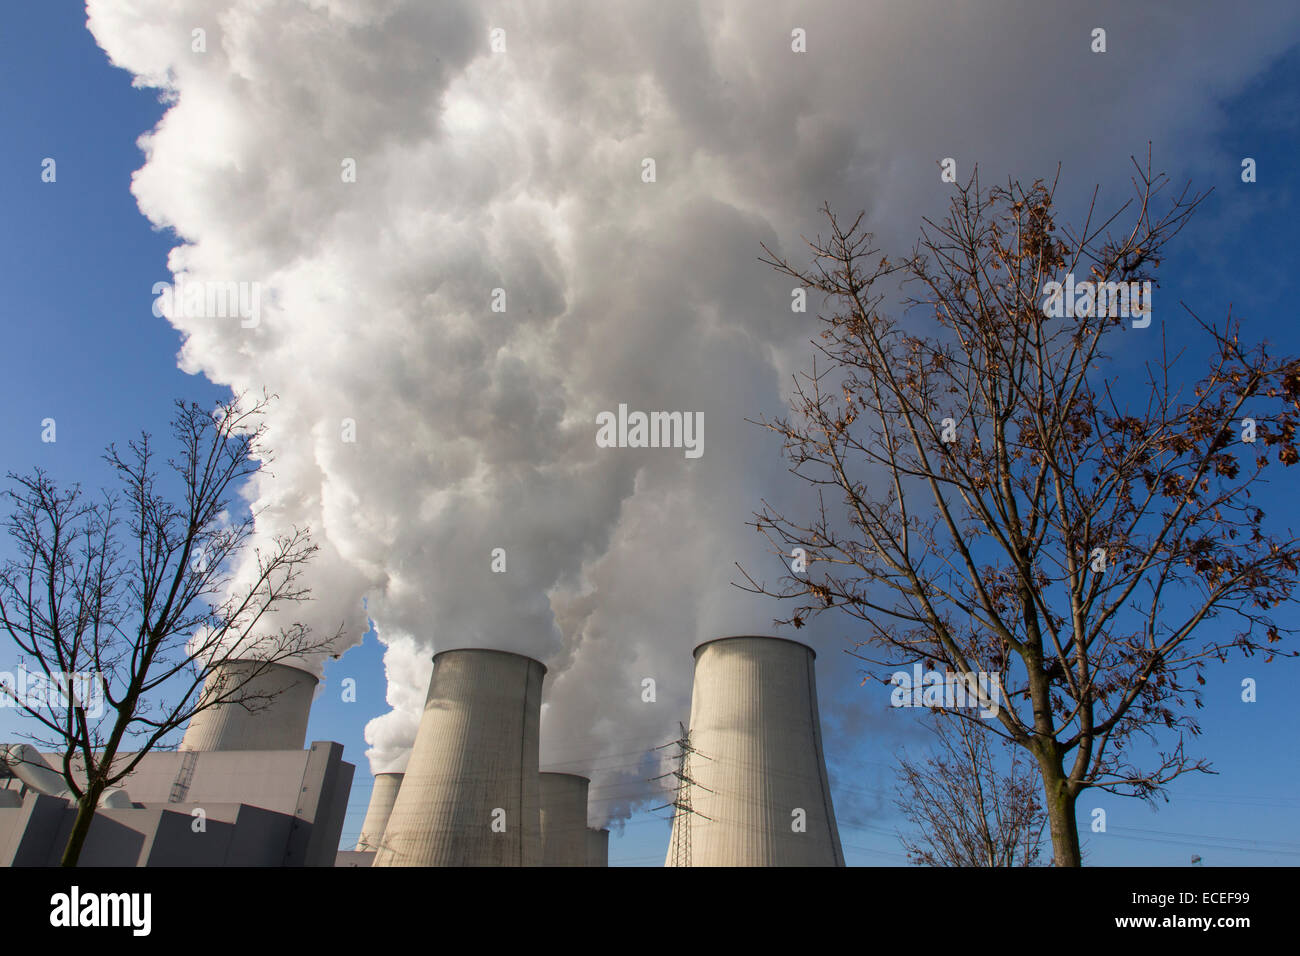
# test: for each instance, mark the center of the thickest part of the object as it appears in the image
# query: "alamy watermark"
(38, 691)
(192, 299)
(1084, 299)
(946, 689)
(133, 911)
(651, 430)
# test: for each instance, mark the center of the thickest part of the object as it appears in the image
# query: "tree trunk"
(1060, 804)
(85, 816)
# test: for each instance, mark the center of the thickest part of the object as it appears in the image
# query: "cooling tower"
(277, 724)
(382, 798)
(759, 768)
(470, 794)
(564, 819)
(597, 847)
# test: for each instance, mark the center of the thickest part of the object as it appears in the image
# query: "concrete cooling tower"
(597, 847)
(276, 724)
(760, 770)
(564, 819)
(382, 798)
(470, 794)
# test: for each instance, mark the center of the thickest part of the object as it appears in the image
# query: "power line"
(682, 822)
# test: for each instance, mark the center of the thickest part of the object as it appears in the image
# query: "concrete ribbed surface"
(279, 723)
(476, 752)
(597, 847)
(380, 808)
(754, 714)
(564, 819)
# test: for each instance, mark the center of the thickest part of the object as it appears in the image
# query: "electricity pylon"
(681, 804)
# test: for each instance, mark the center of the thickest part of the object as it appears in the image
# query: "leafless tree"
(1069, 530)
(969, 808)
(123, 604)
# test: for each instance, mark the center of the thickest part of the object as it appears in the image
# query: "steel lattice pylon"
(681, 803)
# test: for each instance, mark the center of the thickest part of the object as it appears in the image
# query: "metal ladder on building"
(181, 785)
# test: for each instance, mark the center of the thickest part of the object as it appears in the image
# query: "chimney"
(470, 794)
(276, 724)
(382, 798)
(564, 819)
(597, 847)
(760, 770)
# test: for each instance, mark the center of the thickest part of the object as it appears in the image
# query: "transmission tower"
(681, 803)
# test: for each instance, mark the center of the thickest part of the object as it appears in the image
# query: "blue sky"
(82, 346)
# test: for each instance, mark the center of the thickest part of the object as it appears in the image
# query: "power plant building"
(215, 808)
(241, 791)
(597, 847)
(278, 721)
(382, 798)
(564, 819)
(470, 796)
(762, 797)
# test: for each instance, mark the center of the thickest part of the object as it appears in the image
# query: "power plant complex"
(241, 790)
(751, 783)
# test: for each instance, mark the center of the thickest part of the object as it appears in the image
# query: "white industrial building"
(470, 796)
(279, 722)
(563, 819)
(761, 796)
(382, 798)
(597, 847)
(241, 791)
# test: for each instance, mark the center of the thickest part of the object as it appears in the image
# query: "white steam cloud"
(521, 170)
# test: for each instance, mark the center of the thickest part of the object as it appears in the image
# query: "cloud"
(521, 170)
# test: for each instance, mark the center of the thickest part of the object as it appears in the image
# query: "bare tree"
(994, 497)
(967, 810)
(127, 602)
